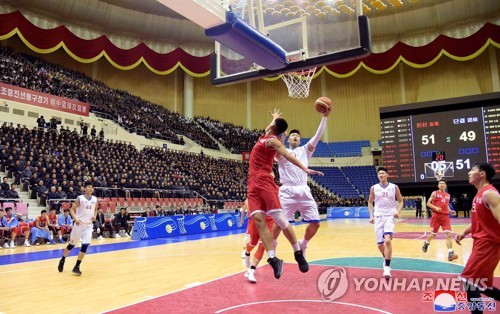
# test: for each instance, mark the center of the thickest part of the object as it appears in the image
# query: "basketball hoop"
(298, 82)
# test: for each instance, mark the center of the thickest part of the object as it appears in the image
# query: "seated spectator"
(16, 228)
(61, 193)
(41, 229)
(53, 196)
(32, 183)
(25, 176)
(4, 228)
(66, 223)
(121, 221)
(71, 194)
(17, 171)
(158, 211)
(5, 184)
(54, 226)
(42, 193)
(169, 211)
(12, 193)
(99, 223)
(148, 213)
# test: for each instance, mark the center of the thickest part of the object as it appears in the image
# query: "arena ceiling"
(133, 32)
(149, 19)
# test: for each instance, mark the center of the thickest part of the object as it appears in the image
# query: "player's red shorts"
(254, 233)
(440, 220)
(20, 230)
(262, 194)
(482, 263)
(65, 229)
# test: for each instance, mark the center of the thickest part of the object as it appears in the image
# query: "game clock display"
(446, 144)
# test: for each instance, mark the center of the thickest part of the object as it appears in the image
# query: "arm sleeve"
(319, 133)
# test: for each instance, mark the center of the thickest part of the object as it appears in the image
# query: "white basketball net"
(298, 83)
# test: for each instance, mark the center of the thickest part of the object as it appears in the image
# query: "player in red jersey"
(54, 226)
(253, 241)
(485, 230)
(439, 203)
(263, 192)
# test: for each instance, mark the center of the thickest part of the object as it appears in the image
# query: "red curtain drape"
(45, 41)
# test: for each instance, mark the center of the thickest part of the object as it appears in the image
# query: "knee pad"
(70, 246)
(84, 247)
(280, 220)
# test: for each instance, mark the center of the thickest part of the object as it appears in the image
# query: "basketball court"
(291, 40)
(205, 274)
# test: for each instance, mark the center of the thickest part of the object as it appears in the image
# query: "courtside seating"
(9, 204)
(112, 207)
(362, 177)
(338, 149)
(335, 181)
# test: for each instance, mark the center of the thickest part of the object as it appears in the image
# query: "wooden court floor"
(117, 278)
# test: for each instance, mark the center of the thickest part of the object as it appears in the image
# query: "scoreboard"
(426, 141)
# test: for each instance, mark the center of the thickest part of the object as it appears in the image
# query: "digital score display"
(423, 147)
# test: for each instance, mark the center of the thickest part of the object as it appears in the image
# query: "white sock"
(450, 250)
(60, 237)
(271, 253)
(296, 247)
(304, 242)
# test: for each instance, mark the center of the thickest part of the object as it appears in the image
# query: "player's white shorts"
(83, 231)
(384, 225)
(293, 198)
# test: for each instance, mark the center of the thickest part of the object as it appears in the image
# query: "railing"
(141, 193)
(147, 192)
(138, 131)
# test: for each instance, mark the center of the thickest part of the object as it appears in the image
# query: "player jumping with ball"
(263, 193)
(294, 193)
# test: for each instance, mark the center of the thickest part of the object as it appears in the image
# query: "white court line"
(312, 301)
(425, 233)
(162, 295)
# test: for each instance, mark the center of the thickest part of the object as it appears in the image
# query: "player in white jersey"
(83, 213)
(294, 193)
(388, 205)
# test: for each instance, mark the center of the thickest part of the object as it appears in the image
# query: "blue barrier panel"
(171, 226)
(347, 212)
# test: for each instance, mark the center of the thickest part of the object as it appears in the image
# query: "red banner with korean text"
(31, 97)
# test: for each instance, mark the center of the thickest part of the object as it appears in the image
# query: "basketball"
(323, 104)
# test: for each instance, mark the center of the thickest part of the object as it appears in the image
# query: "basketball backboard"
(312, 32)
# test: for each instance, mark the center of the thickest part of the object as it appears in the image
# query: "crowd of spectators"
(54, 163)
(132, 112)
(235, 138)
